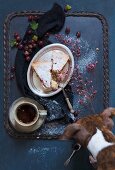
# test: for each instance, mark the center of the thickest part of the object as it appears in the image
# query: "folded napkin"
(52, 21)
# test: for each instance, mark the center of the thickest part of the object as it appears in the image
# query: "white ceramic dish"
(33, 80)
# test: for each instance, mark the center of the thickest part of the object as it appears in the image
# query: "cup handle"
(43, 112)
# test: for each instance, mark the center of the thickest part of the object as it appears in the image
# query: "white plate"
(33, 80)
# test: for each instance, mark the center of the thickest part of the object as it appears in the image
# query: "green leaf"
(35, 38)
(13, 43)
(68, 7)
(33, 25)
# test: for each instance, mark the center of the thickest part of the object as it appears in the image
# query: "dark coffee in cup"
(26, 113)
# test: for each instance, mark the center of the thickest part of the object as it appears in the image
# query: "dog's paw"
(93, 161)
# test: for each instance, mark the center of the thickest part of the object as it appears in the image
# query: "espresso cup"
(26, 115)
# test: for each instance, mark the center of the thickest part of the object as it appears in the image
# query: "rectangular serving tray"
(94, 29)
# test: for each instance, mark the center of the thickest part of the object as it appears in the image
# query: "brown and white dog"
(94, 132)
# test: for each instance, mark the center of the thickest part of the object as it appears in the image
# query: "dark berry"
(18, 38)
(29, 42)
(47, 34)
(30, 46)
(25, 42)
(40, 43)
(78, 51)
(20, 46)
(29, 32)
(16, 34)
(30, 50)
(67, 30)
(94, 92)
(28, 58)
(26, 53)
(13, 69)
(35, 17)
(34, 45)
(26, 48)
(78, 34)
(32, 42)
(92, 96)
(30, 18)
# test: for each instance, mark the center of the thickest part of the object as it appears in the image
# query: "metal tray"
(93, 43)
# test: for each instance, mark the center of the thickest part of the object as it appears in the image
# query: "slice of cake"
(63, 74)
(60, 59)
(51, 69)
(43, 71)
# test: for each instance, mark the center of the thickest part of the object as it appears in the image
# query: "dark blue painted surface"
(49, 155)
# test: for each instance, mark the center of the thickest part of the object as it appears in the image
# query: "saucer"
(38, 124)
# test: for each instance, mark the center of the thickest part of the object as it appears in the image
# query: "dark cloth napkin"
(52, 21)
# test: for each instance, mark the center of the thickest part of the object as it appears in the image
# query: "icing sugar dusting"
(38, 150)
(43, 151)
(89, 58)
(85, 59)
(87, 54)
(52, 128)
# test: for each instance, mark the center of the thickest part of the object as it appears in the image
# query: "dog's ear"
(107, 115)
(109, 112)
(70, 131)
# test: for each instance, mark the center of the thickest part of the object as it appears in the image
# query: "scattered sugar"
(89, 58)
